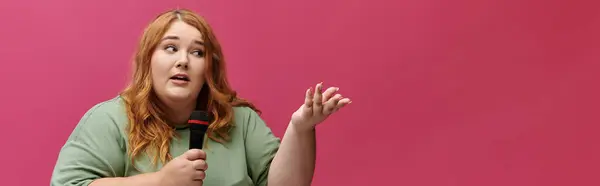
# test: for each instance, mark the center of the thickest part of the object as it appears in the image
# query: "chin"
(179, 95)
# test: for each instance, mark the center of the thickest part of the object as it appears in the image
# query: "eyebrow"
(177, 38)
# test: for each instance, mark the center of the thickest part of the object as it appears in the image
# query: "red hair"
(148, 130)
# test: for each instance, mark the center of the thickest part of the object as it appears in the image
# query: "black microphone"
(198, 124)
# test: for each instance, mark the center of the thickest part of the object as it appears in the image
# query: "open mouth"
(180, 77)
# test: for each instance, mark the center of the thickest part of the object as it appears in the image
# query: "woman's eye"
(198, 53)
(171, 48)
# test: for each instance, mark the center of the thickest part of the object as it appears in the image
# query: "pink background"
(465, 93)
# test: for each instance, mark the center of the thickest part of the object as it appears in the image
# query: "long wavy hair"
(148, 131)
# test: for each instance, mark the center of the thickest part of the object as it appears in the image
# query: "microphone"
(198, 124)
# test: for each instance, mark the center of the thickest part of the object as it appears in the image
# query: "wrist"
(301, 128)
(157, 178)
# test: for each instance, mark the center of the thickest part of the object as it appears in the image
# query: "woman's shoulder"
(244, 112)
(113, 107)
(247, 118)
(106, 113)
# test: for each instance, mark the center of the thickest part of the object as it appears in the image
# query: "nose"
(183, 61)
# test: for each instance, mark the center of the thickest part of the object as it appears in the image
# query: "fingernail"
(337, 88)
(320, 87)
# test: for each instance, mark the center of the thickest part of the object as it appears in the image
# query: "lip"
(181, 74)
(180, 82)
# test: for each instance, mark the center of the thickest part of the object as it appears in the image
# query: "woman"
(140, 137)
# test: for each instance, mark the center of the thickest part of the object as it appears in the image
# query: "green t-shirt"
(97, 148)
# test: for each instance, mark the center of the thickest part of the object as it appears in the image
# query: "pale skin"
(181, 52)
(294, 163)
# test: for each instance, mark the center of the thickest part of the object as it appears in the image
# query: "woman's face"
(178, 64)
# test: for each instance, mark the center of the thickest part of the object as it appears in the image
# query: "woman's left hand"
(317, 107)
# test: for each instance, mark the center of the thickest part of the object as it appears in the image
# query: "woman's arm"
(147, 179)
(294, 163)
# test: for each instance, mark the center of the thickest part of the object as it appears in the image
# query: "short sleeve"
(261, 147)
(95, 149)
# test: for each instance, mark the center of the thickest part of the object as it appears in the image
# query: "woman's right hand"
(185, 170)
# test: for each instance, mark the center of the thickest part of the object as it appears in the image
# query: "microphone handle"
(197, 136)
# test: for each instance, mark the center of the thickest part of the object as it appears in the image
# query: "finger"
(342, 103)
(329, 93)
(318, 99)
(194, 154)
(200, 165)
(330, 105)
(199, 175)
(308, 98)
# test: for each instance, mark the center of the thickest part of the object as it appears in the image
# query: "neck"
(179, 113)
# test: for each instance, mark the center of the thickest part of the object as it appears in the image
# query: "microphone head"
(199, 118)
